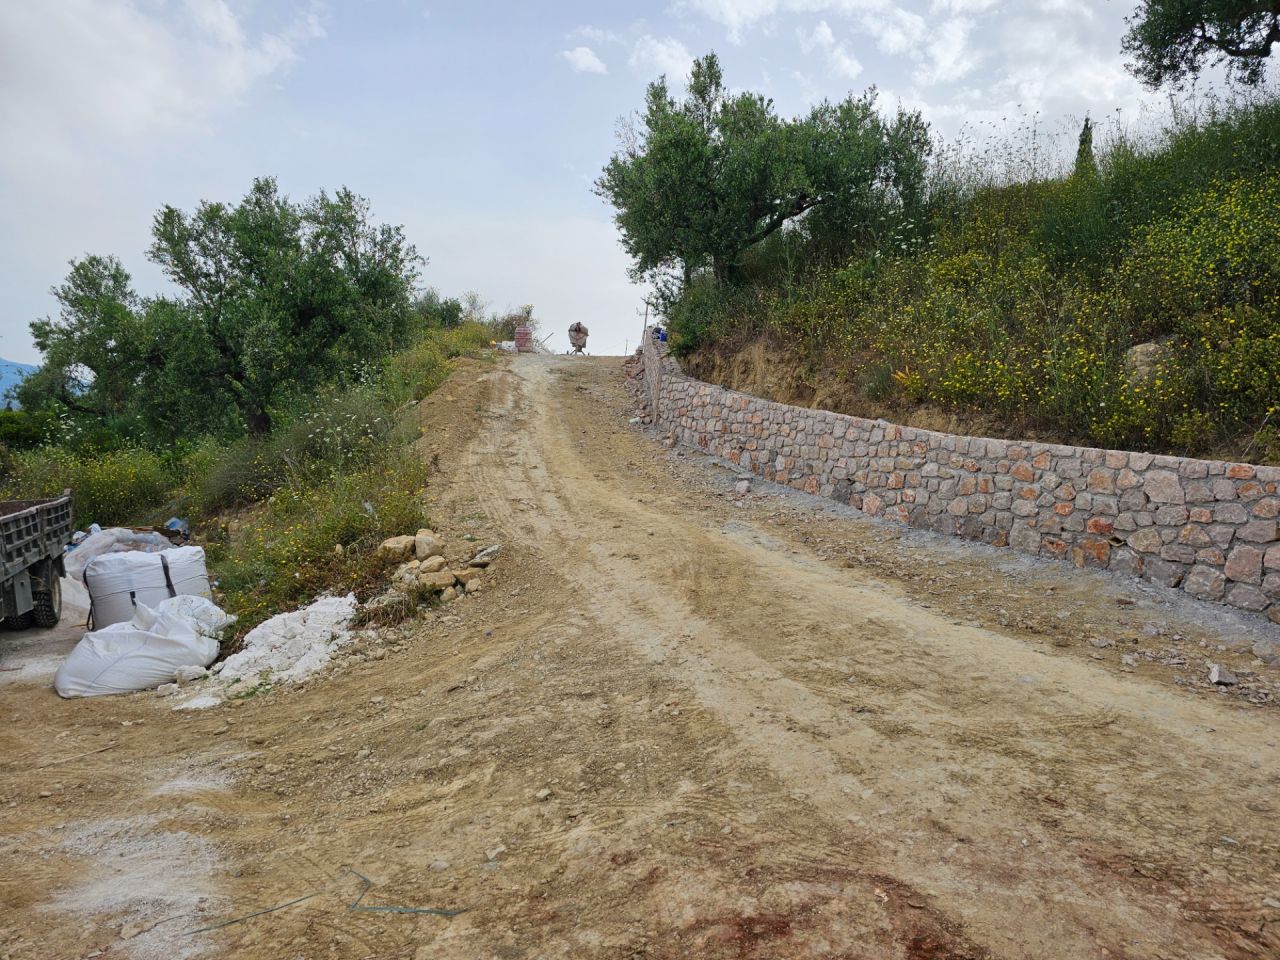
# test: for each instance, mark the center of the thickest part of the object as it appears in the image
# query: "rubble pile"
(427, 574)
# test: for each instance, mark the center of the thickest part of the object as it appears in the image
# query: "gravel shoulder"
(676, 721)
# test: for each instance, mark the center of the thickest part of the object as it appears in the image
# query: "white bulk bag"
(144, 652)
(117, 582)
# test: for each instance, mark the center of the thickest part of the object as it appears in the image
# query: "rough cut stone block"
(1247, 597)
(1230, 513)
(1092, 552)
(1221, 534)
(1164, 572)
(1126, 561)
(1205, 583)
(1244, 564)
(1024, 538)
(1194, 536)
(1163, 486)
(1172, 516)
(1197, 491)
(1146, 541)
(1133, 499)
(1179, 553)
(1269, 508)
(1127, 480)
(1257, 531)
(1101, 480)
(1223, 489)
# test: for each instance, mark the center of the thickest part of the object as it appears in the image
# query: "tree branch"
(797, 206)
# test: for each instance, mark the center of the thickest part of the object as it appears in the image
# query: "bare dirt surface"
(675, 722)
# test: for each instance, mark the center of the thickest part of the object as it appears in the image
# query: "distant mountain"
(11, 372)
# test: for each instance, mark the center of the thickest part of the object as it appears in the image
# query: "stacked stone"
(1207, 527)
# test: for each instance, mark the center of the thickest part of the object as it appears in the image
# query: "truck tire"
(48, 606)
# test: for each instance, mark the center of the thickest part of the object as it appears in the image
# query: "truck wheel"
(48, 606)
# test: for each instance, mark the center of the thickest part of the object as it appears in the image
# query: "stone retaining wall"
(1205, 526)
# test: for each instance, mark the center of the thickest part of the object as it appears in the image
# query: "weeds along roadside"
(283, 517)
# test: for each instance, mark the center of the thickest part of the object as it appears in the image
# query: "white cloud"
(737, 15)
(584, 60)
(839, 60)
(667, 54)
(895, 29)
(598, 35)
(950, 55)
(963, 6)
(77, 71)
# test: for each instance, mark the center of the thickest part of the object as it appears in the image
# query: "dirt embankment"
(676, 722)
(767, 366)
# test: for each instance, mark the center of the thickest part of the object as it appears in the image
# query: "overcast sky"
(479, 126)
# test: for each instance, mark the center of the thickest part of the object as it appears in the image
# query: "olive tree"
(274, 298)
(1171, 40)
(699, 181)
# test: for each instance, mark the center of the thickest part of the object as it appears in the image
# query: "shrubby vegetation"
(344, 474)
(995, 286)
(265, 402)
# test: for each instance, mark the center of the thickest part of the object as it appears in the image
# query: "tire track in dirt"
(667, 728)
(727, 616)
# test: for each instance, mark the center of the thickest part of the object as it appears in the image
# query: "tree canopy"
(705, 178)
(275, 297)
(1171, 40)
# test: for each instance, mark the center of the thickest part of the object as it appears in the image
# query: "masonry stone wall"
(1205, 526)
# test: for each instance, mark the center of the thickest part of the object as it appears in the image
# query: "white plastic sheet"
(112, 540)
(118, 582)
(146, 651)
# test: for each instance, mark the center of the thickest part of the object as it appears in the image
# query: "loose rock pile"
(428, 573)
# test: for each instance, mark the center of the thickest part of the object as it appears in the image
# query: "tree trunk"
(258, 421)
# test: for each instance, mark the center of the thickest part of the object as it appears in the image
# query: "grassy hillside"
(1024, 301)
(284, 516)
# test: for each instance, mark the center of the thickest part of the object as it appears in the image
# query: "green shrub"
(308, 540)
(1221, 248)
(20, 430)
(114, 488)
(339, 431)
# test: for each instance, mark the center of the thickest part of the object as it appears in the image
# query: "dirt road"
(676, 722)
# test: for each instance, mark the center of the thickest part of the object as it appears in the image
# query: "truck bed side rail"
(33, 530)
